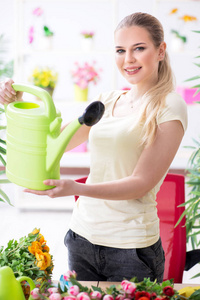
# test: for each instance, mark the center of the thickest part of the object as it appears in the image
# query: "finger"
(52, 182)
(9, 88)
(36, 192)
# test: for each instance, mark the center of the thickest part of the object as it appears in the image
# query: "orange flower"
(35, 247)
(187, 18)
(35, 231)
(43, 260)
(173, 11)
(41, 239)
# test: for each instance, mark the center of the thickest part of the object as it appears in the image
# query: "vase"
(177, 45)
(80, 94)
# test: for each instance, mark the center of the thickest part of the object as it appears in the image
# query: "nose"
(129, 58)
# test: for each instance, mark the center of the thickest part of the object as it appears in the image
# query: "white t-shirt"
(115, 150)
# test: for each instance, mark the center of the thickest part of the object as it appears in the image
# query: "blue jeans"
(99, 263)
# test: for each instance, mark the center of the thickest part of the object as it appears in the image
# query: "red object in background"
(171, 194)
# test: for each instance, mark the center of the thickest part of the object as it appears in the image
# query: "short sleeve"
(175, 109)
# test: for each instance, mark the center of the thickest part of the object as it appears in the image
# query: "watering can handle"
(38, 92)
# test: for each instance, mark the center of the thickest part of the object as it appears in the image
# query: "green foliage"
(17, 256)
(197, 77)
(177, 34)
(3, 196)
(6, 68)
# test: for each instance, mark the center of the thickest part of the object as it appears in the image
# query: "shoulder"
(108, 97)
(175, 101)
(175, 109)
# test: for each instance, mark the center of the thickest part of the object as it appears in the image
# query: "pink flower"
(83, 296)
(53, 290)
(108, 297)
(120, 297)
(69, 274)
(69, 298)
(37, 11)
(128, 286)
(95, 295)
(55, 296)
(74, 290)
(35, 293)
(84, 74)
(31, 34)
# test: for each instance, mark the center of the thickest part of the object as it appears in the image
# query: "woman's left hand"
(63, 187)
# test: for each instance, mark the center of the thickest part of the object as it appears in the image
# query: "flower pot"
(177, 45)
(80, 94)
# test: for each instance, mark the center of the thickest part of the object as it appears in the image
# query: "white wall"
(67, 18)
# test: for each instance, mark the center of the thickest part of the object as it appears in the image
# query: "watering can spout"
(56, 147)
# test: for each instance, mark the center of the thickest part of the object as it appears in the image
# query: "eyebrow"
(134, 45)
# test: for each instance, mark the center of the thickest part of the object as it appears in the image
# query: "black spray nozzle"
(92, 114)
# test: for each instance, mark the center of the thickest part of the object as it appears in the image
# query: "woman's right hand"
(7, 93)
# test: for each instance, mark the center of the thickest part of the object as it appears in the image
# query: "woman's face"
(136, 56)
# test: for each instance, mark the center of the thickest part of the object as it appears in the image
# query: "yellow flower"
(43, 260)
(173, 11)
(187, 18)
(44, 77)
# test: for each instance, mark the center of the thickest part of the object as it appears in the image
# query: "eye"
(139, 49)
(120, 51)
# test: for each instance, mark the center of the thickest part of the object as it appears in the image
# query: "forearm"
(122, 189)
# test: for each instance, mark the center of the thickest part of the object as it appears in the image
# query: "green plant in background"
(3, 196)
(6, 70)
(192, 206)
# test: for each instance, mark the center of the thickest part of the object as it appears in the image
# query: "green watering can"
(10, 287)
(35, 144)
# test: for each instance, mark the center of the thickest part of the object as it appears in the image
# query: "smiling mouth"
(134, 70)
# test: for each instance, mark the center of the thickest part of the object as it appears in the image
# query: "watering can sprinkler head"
(92, 114)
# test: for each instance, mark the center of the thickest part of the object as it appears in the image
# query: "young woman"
(114, 229)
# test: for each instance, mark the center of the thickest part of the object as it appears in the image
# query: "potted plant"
(179, 40)
(87, 40)
(45, 78)
(192, 205)
(82, 75)
(6, 70)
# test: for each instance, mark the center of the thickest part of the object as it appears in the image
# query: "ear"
(161, 52)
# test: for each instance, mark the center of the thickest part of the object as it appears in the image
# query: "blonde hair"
(154, 99)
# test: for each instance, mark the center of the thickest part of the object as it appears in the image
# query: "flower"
(168, 291)
(127, 290)
(83, 75)
(35, 261)
(87, 34)
(44, 77)
(69, 274)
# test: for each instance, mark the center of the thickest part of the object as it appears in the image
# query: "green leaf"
(2, 160)
(2, 150)
(193, 78)
(2, 141)
(5, 197)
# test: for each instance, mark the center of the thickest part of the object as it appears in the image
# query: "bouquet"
(83, 75)
(28, 257)
(70, 289)
(44, 77)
